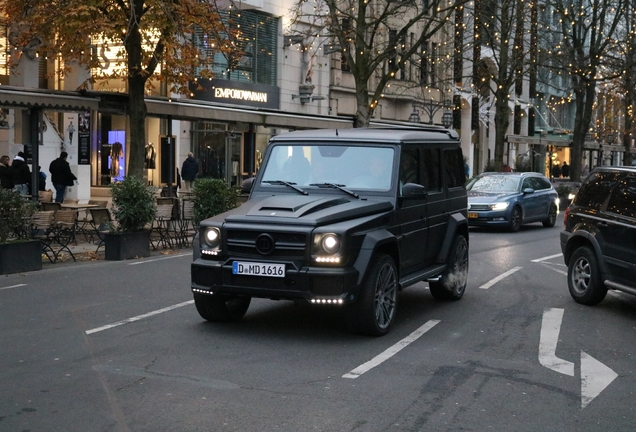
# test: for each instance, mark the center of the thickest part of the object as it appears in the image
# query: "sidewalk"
(85, 252)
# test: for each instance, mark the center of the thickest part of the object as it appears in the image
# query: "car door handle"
(602, 224)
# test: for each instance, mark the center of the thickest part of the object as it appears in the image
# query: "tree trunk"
(584, 101)
(137, 115)
(363, 111)
(502, 121)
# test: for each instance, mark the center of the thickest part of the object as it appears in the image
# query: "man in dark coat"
(61, 176)
(21, 174)
(6, 177)
(189, 171)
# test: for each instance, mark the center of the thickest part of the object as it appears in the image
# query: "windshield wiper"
(336, 186)
(288, 184)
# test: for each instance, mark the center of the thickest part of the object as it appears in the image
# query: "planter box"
(20, 256)
(127, 245)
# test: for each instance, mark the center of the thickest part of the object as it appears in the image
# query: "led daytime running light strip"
(327, 259)
(327, 301)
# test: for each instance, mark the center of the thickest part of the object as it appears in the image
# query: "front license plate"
(473, 215)
(258, 269)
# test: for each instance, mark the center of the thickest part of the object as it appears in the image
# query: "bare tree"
(585, 33)
(373, 38)
(157, 40)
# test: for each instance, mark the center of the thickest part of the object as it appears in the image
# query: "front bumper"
(299, 283)
(489, 218)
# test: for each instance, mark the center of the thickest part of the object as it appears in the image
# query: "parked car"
(340, 218)
(599, 240)
(511, 199)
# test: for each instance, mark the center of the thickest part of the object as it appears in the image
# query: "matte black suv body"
(599, 240)
(343, 218)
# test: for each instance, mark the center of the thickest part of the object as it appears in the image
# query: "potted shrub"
(212, 197)
(134, 210)
(17, 252)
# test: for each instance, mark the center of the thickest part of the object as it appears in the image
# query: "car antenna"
(336, 132)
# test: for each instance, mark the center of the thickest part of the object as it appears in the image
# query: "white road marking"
(500, 277)
(139, 317)
(555, 269)
(13, 286)
(547, 258)
(550, 328)
(595, 376)
(160, 259)
(391, 351)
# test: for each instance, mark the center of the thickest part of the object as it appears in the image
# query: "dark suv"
(599, 240)
(341, 218)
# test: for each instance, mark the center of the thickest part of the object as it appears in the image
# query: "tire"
(452, 284)
(221, 308)
(515, 219)
(374, 311)
(552, 216)
(584, 277)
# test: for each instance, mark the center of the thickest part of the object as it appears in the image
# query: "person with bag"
(61, 176)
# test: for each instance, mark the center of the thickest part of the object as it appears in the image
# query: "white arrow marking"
(595, 376)
(550, 327)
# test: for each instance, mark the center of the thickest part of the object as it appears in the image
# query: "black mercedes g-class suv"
(341, 218)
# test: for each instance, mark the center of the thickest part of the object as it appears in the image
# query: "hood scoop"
(294, 206)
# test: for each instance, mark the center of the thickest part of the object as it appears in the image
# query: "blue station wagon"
(509, 200)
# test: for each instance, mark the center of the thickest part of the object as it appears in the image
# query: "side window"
(623, 199)
(454, 164)
(527, 183)
(595, 190)
(410, 166)
(541, 183)
(432, 169)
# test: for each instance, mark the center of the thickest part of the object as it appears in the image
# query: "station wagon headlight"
(500, 206)
(212, 237)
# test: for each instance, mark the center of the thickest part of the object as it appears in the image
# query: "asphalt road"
(119, 346)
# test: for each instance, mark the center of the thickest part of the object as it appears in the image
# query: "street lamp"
(430, 107)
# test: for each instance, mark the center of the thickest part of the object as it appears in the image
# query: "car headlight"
(330, 244)
(212, 237)
(500, 206)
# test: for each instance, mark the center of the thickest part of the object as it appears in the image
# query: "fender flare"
(372, 241)
(456, 222)
(588, 238)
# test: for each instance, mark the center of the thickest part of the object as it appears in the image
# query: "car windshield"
(494, 183)
(330, 166)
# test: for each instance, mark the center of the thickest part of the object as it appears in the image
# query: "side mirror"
(413, 190)
(528, 191)
(247, 185)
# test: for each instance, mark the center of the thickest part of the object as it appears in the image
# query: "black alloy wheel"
(452, 284)
(515, 219)
(552, 216)
(374, 311)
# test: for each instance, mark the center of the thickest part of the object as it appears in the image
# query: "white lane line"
(550, 266)
(13, 286)
(550, 328)
(160, 259)
(547, 258)
(391, 351)
(139, 317)
(500, 277)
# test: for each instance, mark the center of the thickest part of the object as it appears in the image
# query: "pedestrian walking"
(556, 171)
(21, 174)
(6, 177)
(189, 171)
(61, 176)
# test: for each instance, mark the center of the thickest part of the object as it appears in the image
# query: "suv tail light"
(565, 215)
